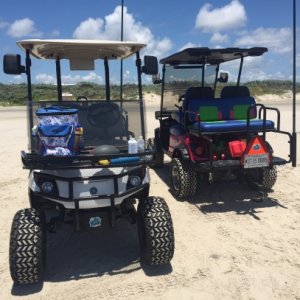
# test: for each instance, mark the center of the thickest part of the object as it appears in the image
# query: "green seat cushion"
(240, 112)
(208, 113)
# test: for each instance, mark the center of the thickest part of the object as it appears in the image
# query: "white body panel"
(83, 183)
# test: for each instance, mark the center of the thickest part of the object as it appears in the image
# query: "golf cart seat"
(191, 98)
(235, 91)
(104, 123)
(196, 93)
(228, 113)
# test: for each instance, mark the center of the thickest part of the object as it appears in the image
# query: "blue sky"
(165, 26)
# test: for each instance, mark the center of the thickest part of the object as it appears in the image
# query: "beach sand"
(229, 244)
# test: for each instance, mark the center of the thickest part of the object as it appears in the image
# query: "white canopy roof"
(89, 49)
(81, 53)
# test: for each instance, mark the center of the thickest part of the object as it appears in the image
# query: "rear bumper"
(222, 165)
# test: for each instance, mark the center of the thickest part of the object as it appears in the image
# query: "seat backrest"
(235, 91)
(196, 93)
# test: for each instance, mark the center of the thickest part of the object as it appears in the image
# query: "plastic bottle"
(132, 146)
(35, 143)
(141, 144)
(78, 139)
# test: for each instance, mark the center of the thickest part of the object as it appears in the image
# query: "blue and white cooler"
(56, 130)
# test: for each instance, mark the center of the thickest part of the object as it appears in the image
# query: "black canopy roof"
(203, 55)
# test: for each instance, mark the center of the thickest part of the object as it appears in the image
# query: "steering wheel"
(79, 98)
(104, 114)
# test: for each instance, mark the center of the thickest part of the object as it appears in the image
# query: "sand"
(229, 245)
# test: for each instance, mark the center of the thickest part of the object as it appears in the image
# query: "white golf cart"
(79, 162)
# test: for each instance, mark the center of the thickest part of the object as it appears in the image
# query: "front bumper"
(89, 188)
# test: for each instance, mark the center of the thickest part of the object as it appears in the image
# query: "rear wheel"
(155, 229)
(184, 179)
(27, 247)
(264, 177)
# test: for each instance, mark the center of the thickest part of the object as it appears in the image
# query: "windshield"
(101, 121)
(178, 79)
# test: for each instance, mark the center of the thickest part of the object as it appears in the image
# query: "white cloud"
(110, 29)
(18, 79)
(230, 16)
(69, 79)
(23, 27)
(92, 76)
(218, 38)
(189, 45)
(45, 78)
(89, 29)
(278, 40)
(127, 74)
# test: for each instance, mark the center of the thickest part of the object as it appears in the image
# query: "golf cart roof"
(204, 55)
(77, 49)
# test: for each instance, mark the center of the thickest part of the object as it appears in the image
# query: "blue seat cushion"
(232, 125)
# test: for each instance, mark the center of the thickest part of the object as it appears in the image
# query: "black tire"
(27, 247)
(265, 178)
(158, 156)
(268, 177)
(155, 230)
(184, 179)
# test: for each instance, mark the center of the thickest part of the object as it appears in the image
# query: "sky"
(165, 26)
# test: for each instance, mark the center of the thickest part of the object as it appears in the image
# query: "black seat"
(203, 92)
(104, 122)
(235, 91)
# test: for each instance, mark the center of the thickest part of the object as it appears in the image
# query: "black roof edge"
(210, 56)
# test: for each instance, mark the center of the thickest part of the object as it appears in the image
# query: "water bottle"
(141, 144)
(132, 146)
(35, 142)
(78, 145)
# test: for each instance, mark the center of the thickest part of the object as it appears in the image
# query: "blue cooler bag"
(57, 140)
(56, 130)
(56, 115)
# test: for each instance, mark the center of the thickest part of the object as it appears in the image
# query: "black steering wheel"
(104, 114)
(80, 98)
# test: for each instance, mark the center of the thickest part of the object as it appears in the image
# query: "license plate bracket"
(256, 161)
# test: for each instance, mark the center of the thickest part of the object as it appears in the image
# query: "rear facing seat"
(225, 114)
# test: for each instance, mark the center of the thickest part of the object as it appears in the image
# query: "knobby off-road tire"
(27, 247)
(264, 177)
(184, 179)
(155, 230)
(158, 156)
(268, 177)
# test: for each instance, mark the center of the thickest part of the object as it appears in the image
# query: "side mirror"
(223, 77)
(12, 64)
(150, 65)
(156, 79)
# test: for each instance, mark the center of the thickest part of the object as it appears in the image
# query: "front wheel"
(184, 179)
(27, 247)
(155, 229)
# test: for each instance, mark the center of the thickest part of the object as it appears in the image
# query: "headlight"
(135, 180)
(47, 187)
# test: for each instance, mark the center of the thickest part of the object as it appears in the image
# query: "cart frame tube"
(29, 102)
(294, 134)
